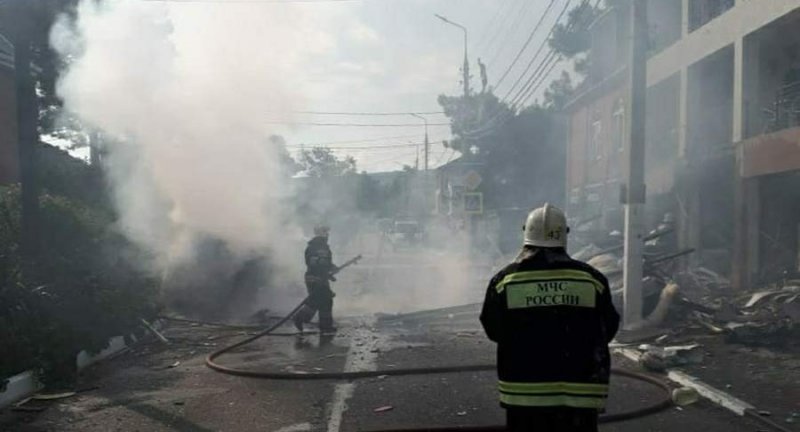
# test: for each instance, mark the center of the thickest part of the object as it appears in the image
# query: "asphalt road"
(147, 390)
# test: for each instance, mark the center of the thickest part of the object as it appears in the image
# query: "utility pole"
(427, 145)
(27, 126)
(634, 193)
(465, 67)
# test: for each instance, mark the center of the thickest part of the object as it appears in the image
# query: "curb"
(25, 384)
(19, 387)
(719, 397)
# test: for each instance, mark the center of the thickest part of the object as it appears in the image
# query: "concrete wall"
(664, 19)
(746, 17)
(662, 114)
(595, 155)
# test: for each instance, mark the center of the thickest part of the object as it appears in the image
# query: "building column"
(684, 18)
(687, 195)
(745, 251)
(683, 108)
(752, 228)
(738, 90)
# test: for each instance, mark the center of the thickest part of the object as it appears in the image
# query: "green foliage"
(33, 19)
(321, 162)
(559, 92)
(521, 160)
(572, 37)
(78, 291)
(470, 113)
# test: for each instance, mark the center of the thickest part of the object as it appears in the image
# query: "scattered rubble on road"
(383, 409)
(679, 305)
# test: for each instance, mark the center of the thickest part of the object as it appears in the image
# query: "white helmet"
(546, 227)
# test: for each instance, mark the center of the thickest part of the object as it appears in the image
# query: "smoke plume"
(182, 94)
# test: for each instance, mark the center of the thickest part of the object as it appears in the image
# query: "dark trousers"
(320, 299)
(551, 419)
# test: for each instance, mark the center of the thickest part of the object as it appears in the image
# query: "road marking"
(713, 394)
(300, 427)
(361, 356)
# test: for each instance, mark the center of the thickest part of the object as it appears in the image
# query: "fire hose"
(662, 403)
(659, 405)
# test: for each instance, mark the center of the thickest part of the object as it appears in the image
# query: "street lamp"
(465, 69)
(427, 148)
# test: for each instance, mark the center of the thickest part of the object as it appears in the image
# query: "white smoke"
(185, 93)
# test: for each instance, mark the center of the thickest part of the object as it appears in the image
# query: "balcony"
(703, 11)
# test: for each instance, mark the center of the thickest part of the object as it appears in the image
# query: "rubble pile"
(698, 301)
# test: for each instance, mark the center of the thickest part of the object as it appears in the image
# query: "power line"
(371, 147)
(251, 1)
(518, 18)
(499, 117)
(529, 89)
(289, 123)
(490, 25)
(539, 50)
(389, 138)
(501, 29)
(527, 42)
(394, 158)
(526, 91)
(380, 147)
(369, 113)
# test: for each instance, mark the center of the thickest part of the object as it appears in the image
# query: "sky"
(379, 56)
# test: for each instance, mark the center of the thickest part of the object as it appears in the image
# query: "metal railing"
(6, 53)
(785, 112)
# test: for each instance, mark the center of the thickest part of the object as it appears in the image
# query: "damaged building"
(723, 132)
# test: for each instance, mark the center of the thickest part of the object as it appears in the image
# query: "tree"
(35, 19)
(559, 92)
(470, 113)
(321, 162)
(277, 145)
(511, 154)
(573, 37)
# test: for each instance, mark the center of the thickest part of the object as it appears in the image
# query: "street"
(155, 387)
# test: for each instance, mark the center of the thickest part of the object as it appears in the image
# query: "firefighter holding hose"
(318, 277)
(552, 319)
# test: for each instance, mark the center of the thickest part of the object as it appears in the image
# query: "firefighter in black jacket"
(552, 319)
(318, 277)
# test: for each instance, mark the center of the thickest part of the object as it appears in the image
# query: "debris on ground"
(53, 396)
(684, 396)
(658, 358)
(681, 305)
(383, 409)
(153, 330)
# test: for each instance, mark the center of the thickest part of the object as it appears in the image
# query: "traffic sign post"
(472, 180)
(473, 203)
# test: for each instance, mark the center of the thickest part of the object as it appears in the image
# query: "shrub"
(75, 293)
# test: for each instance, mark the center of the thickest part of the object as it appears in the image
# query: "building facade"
(723, 131)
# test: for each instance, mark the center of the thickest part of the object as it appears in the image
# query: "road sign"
(473, 203)
(472, 180)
